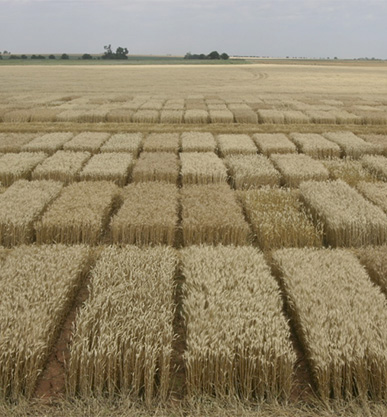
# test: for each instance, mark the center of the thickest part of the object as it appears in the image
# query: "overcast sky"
(310, 28)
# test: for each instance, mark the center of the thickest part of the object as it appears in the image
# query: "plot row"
(237, 338)
(329, 212)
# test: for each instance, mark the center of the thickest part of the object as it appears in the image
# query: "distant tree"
(1, 56)
(214, 55)
(121, 53)
(51, 57)
(14, 57)
(87, 56)
(24, 57)
(224, 56)
(6, 52)
(64, 56)
(34, 57)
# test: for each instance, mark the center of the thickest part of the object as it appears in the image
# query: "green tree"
(87, 56)
(51, 57)
(214, 55)
(224, 56)
(64, 56)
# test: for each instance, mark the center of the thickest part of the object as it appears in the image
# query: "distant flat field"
(365, 81)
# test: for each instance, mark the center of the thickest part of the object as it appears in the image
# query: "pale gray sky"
(310, 28)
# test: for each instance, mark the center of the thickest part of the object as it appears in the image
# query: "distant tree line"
(211, 55)
(121, 53)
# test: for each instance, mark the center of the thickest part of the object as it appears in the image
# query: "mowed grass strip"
(62, 166)
(49, 143)
(13, 142)
(340, 318)
(348, 219)
(296, 168)
(79, 215)
(156, 166)
(352, 145)
(278, 219)
(162, 142)
(15, 166)
(21, 205)
(252, 171)
(269, 143)
(211, 214)
(236, 144)
(238, 340)
(148, 216)
(122, 342)
(202, 168)
(377, 165)
(87, 142)
(198, 142)
(124, 142)
(315, 145)
(349, 170)
(112, 166)
(38, 285)
(375, 192)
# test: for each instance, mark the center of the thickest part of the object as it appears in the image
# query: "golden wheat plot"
(315, 145)
(375, 192)
(172, 116)
(122, 342)
(244, 115)
(236, 144)
(296, 168)
(349, 170)
(162, 142)
(341, 320)
(251, 171)
(146, 116)
(269, 143)
(112, 166)
(49, 143)
(20, 206)
(377, 165)
(79, 215)
(237, 337)
(120, 115)
(37, 287)
(295, 117)
(13, 142)
(374, 259)
(278, 219)
(202, 168)
(348, 219)
(321, 116)
(198, 142)
(87, 142)
(14, 166)
(352, 145)
(221, 116)
(148, 216)
(196, 116)
(156, 166)
(124, 142)
(271, 116)
(62, 166)
(379, 140)
(212, 215)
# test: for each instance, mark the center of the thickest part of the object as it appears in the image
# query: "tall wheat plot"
(341, 320)
(49, 143)
(124, 142)
(13, 142)
(202, 168)
(237, 337)
(315, 145)
(122, 340)
(377, 165)
(38, 285)
(87, 142)
(375, 192)
(269, 143)
(348, 170)
(352, 145)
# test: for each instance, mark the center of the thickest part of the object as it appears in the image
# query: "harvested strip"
(49, 143)
(87, 141)
(348, 219)
(236, 144)
(211, 215)
(148, 216)
(62, 166)
(238, 341)
(269, 143)
(375, 192)
(341, 320)
(156, 166)
(296, 168)
(379, 140)
(37, 284)
(202, 168)
(278, 219)
(250, 171)
(198, 142)
(114, 166)
(166, 142)
(124, 142)
(79, 215)
(377, 165)
(349, 170)
(20, 206)
(13, 142)
(122, 342)
(315, 145)
(351, 144)
(374, 259)
(14, 166)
